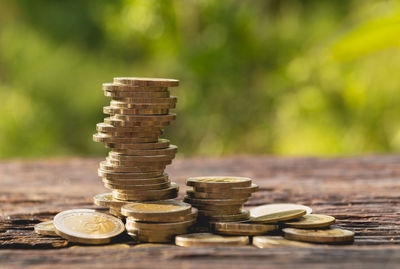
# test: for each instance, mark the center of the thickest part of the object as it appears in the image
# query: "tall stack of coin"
(158, 222)
(134, 168)
(220, 198)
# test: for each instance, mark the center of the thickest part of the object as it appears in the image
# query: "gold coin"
(144, 211)
(311, 221)
(45, 228)
(279, 216)
(136, 187)
(152, 237)
(130, 134)
(147, 82)
(132, 176)
(99, 137)
(179, 227)
(154, 218)
(134, 158)
(116, 212)
(115, 87)
(137, 94)
(106, 166)
(148, 195)
(104, 127)
(276, 241)
(160, 144)
(208, 239)
(209, 195)
(107, 200)
(221, 182)
(275, 208)
(126, 105)
(171, 150)
(244, 215)
(214, 202)
(232, 228)
(226, 209)
(144, 118)
(87, 226)
(238, 190)
(134, 181)
(159, 164)
(123, 123)
(137, 100)
(137, 111)
(319, 236)
(152, 245)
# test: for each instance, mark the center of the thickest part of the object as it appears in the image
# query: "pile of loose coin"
(220, 198)
(134, 168)
(158, 222)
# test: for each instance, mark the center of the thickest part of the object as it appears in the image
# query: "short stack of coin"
(134, 168)
(219, 198)
(158, 222)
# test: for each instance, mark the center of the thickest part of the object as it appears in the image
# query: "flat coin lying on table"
(311, 221)
(219, 181)
(319, 236)
(277, 241)
(234, 228)
(279, 216)
(87, 226)
(156, 210)
(45, 228)
(208, 239)
(274, 208)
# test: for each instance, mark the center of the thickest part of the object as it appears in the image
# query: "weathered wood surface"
(362, 193)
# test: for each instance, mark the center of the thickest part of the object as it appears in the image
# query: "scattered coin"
(279, 216)
(87, 226)
(277, 241)
(45, 228)
(311, 221)
(232, 228)
(319, 236)
(275, 208)
(208, 239)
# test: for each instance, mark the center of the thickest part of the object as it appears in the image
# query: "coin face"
(45, 228)
(319, 236)
(274, 208)
(279, 216)
(209, 239)
(160, 208)
(277, 241)
(87, 226)
(232, 228)
(219, 181)
(311, 221)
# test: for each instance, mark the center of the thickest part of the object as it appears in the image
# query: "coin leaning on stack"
(134, 168)
(219, 198)
(158, 222)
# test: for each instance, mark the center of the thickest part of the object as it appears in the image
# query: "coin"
(218, 182)
(151, 245)
(137, 111)
(104, 127)
(134, 158)
(152, 237)
(106, 166)
(160, 144)
(137, 94)
(208, 239)
(244, 215)
(107, 200)
(311, 221)
(159, 164)
(171, 150)
(126, 105)
(209, 195)
(99, 137)
(127, 187)
(45, 228)
(123, 123)
(87, 226)
(144, 118)
(274, 208)
(134, 181)
(179, 227)
(131, 176)
(279, 216)
(232, 228)
(154, 218)
(225, 209)
(133, 100)
(143, 211)
(131, 134)
(319, 236)
(276, 241)
(116, 212)
(214, 202)
(115, 87)
(238, 190)
(147, 82)
(170, 194)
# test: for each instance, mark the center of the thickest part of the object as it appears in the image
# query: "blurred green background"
(257, 77)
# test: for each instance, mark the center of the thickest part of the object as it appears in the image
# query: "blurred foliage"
(282, 77)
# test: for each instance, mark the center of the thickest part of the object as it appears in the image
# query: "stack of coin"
(219, 198)
(134, 168)
(158, 222)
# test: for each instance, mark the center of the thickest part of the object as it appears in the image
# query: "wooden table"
(363, 193)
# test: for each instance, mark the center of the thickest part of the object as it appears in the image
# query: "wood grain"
(363, 193)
